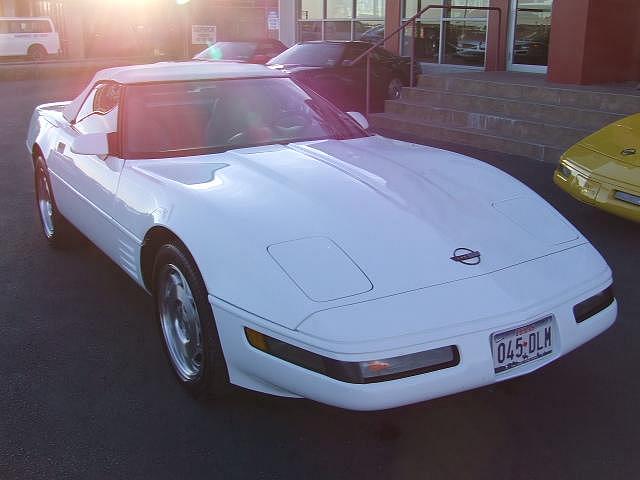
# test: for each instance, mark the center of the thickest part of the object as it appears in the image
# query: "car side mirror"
(91, 144)
(360, 119)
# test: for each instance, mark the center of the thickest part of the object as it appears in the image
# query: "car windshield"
(310, 55)
(197, 117)
(228, 51)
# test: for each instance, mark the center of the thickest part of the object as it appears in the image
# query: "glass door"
(530, 23)
(447, 36)
(464, 33)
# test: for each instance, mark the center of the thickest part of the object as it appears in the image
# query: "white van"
(35, 37)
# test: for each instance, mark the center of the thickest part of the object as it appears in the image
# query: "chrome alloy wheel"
(180, 323)
(393, 91)
(45, 206)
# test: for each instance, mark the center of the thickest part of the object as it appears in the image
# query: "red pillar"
(498, 25)
(392, 20)
(594, 41)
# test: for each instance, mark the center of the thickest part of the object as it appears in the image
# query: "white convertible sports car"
(291, 252)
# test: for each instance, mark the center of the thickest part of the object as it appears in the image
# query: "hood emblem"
(466, 256)
(628, 151)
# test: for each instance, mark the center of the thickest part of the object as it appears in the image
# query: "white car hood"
(397, 211)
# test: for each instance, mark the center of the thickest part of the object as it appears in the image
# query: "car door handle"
(60, 148)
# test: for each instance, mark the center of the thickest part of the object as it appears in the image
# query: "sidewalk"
(59, 68)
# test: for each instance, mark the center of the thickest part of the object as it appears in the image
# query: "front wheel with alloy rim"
(55, 227)
(187, 324)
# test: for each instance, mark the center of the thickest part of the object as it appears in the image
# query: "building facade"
(571, 41)
(149, 28)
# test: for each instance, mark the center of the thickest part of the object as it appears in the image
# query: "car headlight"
(369, 371)
(564, 171)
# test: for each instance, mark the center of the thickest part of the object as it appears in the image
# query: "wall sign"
(203, 34)
(273, 20)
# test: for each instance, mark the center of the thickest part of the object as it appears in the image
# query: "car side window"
(381, 54)
(353, 52)
(99, 112)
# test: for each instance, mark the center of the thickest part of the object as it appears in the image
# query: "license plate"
(521, 345)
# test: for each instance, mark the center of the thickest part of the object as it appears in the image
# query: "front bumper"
(596, 190)
(257, 370)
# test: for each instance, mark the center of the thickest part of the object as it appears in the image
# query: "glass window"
(531, 33)
(106, 97)
(368, 31)
(17, 27)
(99, 112)
(242, 51)
(310, 55)
(225, 114)
(311, 9)
(354, 51)
(370, 8)
(411, 7)
(308, 31)
(41, 26)
(465, 43)
(342, 20)
(426, 41)
(269, 49)
(102, 99)
(466, 13)
(337, 30)
(339, 8)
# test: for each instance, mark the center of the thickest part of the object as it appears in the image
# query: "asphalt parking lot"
(85, 392)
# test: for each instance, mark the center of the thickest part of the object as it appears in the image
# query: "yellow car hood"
(619, 141)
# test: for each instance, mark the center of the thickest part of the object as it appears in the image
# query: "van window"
(29, 26)
(42, 26)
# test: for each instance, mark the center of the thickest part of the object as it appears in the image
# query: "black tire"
(56, 229)
(393, 88)
(37, 52)
(210, 379)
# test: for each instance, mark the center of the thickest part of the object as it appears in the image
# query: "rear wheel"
(57, 231)
(187, 324)
(37, 52)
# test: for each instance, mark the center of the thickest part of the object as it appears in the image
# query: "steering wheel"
(288, 124)
(239, 137)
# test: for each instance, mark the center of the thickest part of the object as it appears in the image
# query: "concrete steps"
(534, 120)
(607, 99)
(390, 123)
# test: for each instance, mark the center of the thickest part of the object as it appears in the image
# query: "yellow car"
(603, 169)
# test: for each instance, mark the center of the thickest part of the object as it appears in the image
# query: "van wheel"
(37, 52)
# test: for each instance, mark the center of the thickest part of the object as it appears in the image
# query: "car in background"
(327, 67)
(471, 49)
(258, 51)
(291, 252)
(603, 169)
(371, 34)
(35, 37)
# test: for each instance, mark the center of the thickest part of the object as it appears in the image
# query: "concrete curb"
(54, 69)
